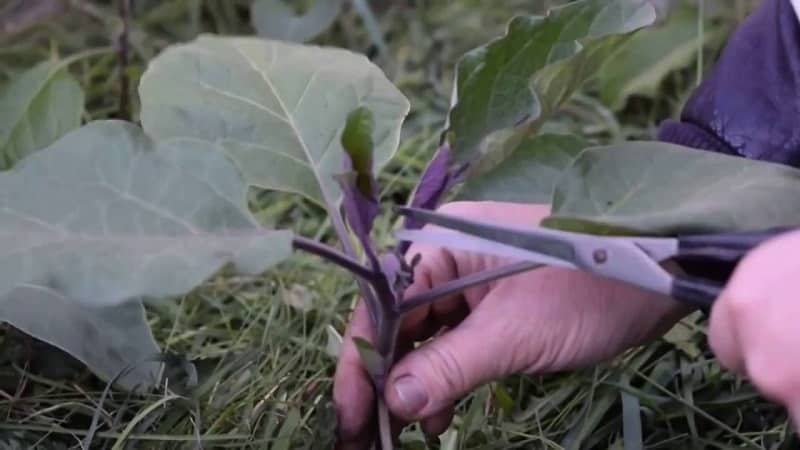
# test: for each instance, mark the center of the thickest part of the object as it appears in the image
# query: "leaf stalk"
(461, 284)
(334, 256)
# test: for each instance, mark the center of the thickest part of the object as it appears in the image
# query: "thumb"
(432, 377)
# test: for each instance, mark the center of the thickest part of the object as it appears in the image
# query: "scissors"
(634, 260)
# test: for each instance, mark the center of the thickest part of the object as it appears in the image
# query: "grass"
(263, 347)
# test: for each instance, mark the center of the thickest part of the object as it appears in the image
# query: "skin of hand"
(543, 321)
(754, 326)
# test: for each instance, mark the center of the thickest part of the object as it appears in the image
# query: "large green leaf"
(105, 216)
(529, 174)
(640, 65)
(275, 19)
(107, 339)
(517, 80)
(36, 108)
(277, 108)
(657, 188)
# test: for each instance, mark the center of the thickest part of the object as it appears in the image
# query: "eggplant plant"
(99, 219)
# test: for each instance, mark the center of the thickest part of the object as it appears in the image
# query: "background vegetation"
(264, 348)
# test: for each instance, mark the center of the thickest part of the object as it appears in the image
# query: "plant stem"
(464, 283)
(378, 296)
(347, 246)
(123, 43)
(334, 256)
(384, 425)
(700, 32)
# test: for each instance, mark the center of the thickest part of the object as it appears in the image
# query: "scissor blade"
(551, 243)
(457, 240)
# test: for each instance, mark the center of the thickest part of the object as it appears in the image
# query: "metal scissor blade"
(457, 240)
(551, 243)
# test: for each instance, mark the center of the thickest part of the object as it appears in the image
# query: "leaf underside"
(108, 339)
(655, 188)
(278, 109)
(105, 216)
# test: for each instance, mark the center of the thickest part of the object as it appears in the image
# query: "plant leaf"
(502, 85)
(278, 109)
(373, 361)
(358, 184)
(656, 188)
(36, 108)
(436, 180)
(631, 422)
(529, 174)
(274, 19)
(357, 144)
(334, 342)
(640, 65)
(107, 340)
(104, 216)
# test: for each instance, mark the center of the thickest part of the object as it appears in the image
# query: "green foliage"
(277, 109)
(516, 81)
(655, 188)
(105, 216)
(36, 108)
(357, 143)
(264, 370)
(373, 361)
(275, 19)
(107, 339)
(529, 173)
(640, 65)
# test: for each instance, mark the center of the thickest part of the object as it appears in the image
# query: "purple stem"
(464, 283)
(123, 48)
(334, 256)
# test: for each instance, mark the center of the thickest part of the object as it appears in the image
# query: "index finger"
(353, 392)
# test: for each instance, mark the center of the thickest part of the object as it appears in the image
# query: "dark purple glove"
(749, 105)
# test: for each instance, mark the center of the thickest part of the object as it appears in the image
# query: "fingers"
(437, 266)
(353, 393)
(440, 265)
(427, 381)
(753, 326)
(438, 423)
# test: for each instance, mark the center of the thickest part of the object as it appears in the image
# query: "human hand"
(546, 320)
(754, 324)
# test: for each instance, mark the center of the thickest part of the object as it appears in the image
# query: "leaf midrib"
(290, 121)
(53, 71)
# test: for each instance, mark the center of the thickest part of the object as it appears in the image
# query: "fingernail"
(411, 394)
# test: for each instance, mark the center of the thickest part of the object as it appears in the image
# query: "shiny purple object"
(749, 105)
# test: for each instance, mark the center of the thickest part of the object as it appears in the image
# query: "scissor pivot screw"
(600, 256)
